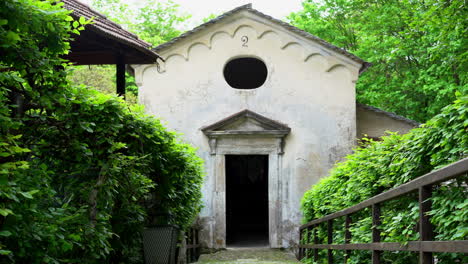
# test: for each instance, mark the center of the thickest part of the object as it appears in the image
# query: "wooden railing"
(193, 245)
(425, 246)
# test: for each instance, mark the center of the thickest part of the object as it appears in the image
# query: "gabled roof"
(106, 29)
(285, 25)
(388, 114)
(268, 125)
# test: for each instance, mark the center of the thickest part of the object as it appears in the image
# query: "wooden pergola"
(105, 42)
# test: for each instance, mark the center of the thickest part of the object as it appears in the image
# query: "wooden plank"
(425, 226)
(456, 246)
(446, 173)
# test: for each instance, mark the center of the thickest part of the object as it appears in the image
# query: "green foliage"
(79, 170)
(418, 49)
(381, 166)
(103, 79)
(209, 17)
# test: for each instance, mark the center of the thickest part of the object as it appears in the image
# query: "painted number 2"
(244, 40)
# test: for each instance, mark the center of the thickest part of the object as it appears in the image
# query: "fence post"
(197, 241)
(301, 236)
(316, 254)
(375, 232)
(330, 240)
(194, 242)
(425, 226)
(347, 239)
(309, 234)
(310, 231)
(188, 242)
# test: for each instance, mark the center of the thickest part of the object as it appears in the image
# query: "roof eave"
(389, 114)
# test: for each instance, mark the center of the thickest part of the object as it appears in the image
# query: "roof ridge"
(249, 8)
(202, 26)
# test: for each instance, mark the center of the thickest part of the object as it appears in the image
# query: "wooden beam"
(120, 67)
(454, 246)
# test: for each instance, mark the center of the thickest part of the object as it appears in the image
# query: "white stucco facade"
(309, 87)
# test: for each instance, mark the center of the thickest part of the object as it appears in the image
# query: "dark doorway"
(247, 200)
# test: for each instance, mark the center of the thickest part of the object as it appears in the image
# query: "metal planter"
(159, 244)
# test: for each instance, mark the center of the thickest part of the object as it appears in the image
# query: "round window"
(245, 73)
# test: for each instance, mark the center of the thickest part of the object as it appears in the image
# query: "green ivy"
(380, 166)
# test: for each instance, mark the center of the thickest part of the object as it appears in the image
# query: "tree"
(154, 21)
(418, 49)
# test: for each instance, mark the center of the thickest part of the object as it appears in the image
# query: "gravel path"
(251, 255)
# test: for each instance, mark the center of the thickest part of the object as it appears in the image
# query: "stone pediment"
(246, 123)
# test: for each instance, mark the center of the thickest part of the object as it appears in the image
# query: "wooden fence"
(425, 246)
(193, 245)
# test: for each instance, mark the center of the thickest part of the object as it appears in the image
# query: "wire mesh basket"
(159, 244)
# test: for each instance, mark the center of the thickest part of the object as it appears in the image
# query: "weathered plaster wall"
(308, 87)
(372, 124)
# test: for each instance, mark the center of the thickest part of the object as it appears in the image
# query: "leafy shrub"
(77, 167)
(397, 159)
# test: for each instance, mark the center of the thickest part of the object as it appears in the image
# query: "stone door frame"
(242, 145)
(246, 133)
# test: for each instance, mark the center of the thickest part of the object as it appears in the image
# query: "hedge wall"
(81, 173)
(380, 166)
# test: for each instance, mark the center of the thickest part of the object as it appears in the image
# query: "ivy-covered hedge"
(380, 166)
(81, 173)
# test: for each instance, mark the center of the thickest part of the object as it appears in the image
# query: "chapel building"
(271, 109)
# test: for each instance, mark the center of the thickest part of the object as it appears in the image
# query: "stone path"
(249, 255)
